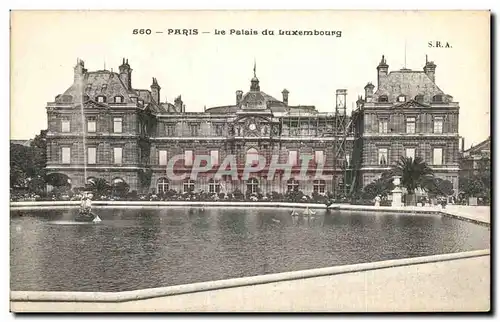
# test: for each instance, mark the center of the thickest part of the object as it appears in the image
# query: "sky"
(207, 69)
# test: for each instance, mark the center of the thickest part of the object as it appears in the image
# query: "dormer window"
(401, 98)
(101, 99)
(118, 99)
(437, 98)
(419, 98)
(383, 99)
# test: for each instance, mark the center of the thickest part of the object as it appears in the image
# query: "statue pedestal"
(397, 195)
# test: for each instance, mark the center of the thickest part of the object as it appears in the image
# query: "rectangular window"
(91, 124)
(382, 126)
(437, 156)
(100, 99)
(410, 125)
(117, 125)
(162, 155)
(382, 156)
(410, 153)
(194, 129)
(214, 157)
(292, 158)
(348, 160)
(66, 155)
(319, 157)
(65, 125)
(218, 130)
(118, 99)
(438, 125)
(91, 155)
(169, 129)
(188, 158)
(117, 153)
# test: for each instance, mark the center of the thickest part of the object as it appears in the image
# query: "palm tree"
(415, 173)
(99, 186)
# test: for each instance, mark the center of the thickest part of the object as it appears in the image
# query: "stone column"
(397, 192)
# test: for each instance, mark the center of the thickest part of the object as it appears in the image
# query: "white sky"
(208, 69)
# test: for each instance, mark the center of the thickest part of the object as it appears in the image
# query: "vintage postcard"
(250, 161)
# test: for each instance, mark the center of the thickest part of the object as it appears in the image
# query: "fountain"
(83, 215)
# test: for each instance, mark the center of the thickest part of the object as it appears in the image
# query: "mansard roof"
(94, 84)
(108, 84)
(408, 83)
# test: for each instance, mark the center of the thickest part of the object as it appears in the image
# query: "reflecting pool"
(136, 249)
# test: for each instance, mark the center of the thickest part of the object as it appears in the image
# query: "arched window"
(120, 187)
(252, 185)
(118, 99)
(162, 185)
(252, 156)
(292, 185)
(437, 98)
(213, 186)
(383, 99)
(319, 186)
(91, 180)
(117, 181)
(419, 98)
(188, 185)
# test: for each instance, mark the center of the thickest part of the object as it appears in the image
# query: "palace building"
(407, 114)
(103, 127)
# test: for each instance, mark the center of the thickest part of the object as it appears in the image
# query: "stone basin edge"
(37, 205)
(125, 296)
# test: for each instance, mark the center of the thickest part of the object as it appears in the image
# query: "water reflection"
(132, 249)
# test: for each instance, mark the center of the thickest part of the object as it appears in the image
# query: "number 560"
(141, 32)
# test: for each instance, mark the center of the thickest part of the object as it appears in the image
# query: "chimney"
(179, 106)
(382, 69)
(155, 91)
(126, 74)
(285, 93)
(79, 70)
(239, 95)
(369, 92)
(430, 69)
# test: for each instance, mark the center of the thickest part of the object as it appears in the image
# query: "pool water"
(136, 248)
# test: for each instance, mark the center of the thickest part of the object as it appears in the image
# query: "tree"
(380, 187)
(415, 173)
(28, 163)
(440, 187)
(19, 165)
(39, 154)
(99, 186)
(477, 184)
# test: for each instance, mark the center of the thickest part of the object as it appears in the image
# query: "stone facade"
(408, 115)
(152, 132)
(475, 159)
(129, 134)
